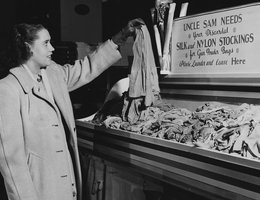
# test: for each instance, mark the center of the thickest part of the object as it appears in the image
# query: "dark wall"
(116, 13)
(46, 12)
(209, 5)
(7, 18)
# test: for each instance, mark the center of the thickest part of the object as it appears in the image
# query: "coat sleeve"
(87, 69)
(13, 162)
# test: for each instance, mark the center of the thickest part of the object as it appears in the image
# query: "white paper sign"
(220, 42)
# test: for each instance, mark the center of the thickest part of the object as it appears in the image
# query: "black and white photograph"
(130, 100)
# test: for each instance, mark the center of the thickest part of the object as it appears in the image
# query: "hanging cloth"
(143, 79)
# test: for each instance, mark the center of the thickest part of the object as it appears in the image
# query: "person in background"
(39, 158)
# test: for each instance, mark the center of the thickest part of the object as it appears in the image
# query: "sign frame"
(218, 77)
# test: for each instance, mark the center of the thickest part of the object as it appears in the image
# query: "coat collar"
(28, 83)
(23, 77)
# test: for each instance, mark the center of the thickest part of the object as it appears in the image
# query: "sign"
(220, 42)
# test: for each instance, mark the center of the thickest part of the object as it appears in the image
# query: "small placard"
(221, 42)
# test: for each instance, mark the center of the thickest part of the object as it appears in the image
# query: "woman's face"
(41, 49)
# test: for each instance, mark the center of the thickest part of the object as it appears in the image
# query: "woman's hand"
(127, 31)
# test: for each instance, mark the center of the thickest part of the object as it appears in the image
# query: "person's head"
(30, 43)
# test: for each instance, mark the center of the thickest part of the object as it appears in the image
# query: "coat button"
(74, 193)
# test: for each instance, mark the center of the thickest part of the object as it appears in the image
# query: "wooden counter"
(212, 174)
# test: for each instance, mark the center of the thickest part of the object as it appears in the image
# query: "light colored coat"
(32, 151)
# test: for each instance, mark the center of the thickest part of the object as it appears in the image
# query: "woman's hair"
(18, 51)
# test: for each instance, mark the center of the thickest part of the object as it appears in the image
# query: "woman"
(38, 144)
